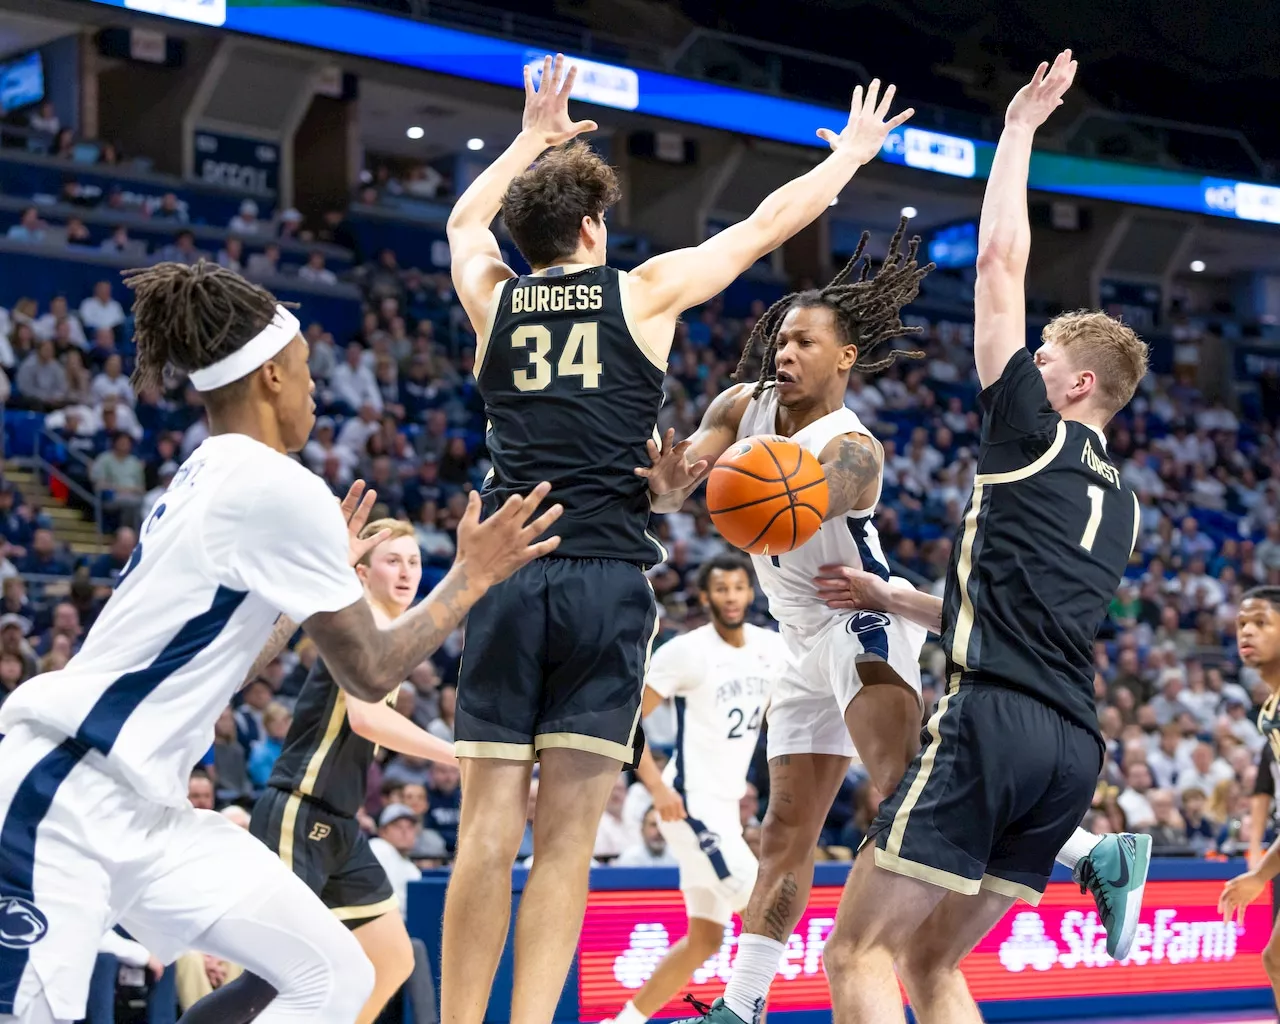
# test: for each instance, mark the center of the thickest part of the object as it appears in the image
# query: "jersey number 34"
(580, 356)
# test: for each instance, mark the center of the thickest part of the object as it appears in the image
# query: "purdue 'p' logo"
(319, 831)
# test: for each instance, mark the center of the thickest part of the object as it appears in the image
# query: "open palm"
(867, 128)
(546, 105)
(356, 507)
(1041, 96)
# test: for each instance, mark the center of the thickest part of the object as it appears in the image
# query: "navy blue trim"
(101, 726)
(875, 641)
(678, 785)
(27, 810)
(858, 530)
(714, 855)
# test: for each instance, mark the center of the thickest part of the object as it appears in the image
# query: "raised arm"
(667, 285)
(1004, 230)
(476, 260)
(678, 469)
(369, 661)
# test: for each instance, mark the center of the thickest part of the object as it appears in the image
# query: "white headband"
(249, 356)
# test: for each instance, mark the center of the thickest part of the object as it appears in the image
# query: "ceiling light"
(415, 133)
(475, 144)
(1197, 266)
(909, 211)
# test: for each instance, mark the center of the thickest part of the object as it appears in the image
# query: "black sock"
(237, 1002)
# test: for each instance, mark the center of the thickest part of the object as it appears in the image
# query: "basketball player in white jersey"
(853, 682)
(95, 827)
(720, 676)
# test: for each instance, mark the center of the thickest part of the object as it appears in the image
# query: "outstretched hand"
(491, 551)
(867, 128)
(1238, 894)
(669, 471)
(1040, 97)
(546, 106)
(843, 587)
(356, 509)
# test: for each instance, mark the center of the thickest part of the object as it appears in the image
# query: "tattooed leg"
(801, 788)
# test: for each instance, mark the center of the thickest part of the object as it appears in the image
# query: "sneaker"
(1115, 872)
(716, 1013)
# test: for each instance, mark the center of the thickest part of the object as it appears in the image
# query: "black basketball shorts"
(1000, 782)
(328, 851)
(555, 656)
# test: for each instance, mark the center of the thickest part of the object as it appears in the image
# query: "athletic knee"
(787, 836)
(888, 772)
(706, 941)
(922, 968)
(489, 844)
(848, 950)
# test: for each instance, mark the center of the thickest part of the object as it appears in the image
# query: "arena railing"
(91, 498)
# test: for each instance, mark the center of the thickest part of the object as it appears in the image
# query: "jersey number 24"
(580, 356)
(736, 719)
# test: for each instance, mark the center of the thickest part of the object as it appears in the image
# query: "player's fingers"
(369, 543)
(855, 104)
(885, 102)
(644, 471)
(533, 499)
(540, 525)
(566, 86)
(901, 119)
(873, 95)
(844, 605)
(360, 516)
(827, 136)
(352, 500)
(698, 468)
(528, 81)
(471, 517)
(544, 547)
(546, 82)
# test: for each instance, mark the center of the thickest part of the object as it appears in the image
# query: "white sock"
(1078, 847)
(754, 968)
(629, 1015)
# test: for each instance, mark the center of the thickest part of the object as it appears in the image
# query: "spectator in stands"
(651, 851)
(613, 836)
(41, 380)
(1168, 830)
(324, 357)
(246, 221)
(315, 271)
(444, 794)
(12, 674)
(111, 563)
(275, 724)
(112, 383)
(1200, 831)
(337, 230)
(66, 623)
(290, 228)
(13, 641)
(200, 790)
(356, 432)
(77, 235)
(30, 228)
(170, 209)
(182, 249)
(45, 119)
(231, 255)
(397, 833)
(443, 726)
(6, 389)
(1205, 770)
(64, 145)
(79, 380)
(254, 699)
(119, 478)
(1133, 799)
(100, 310)
(119, 244)
(229, 759)
(265, 263)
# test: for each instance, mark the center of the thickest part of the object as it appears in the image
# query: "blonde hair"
(1108, 347)
(396, 527)
(274, 712)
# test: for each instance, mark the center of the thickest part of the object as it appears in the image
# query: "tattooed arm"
(369, 661)
(851, 463)
(279, 639)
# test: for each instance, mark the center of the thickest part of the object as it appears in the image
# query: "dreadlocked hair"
(190, 317)
(867, 310)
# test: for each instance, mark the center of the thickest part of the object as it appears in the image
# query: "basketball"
(767, 495)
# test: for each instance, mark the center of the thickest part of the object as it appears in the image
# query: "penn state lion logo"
(864, 622)
(21, 923)
(709, 842)
(741, 448)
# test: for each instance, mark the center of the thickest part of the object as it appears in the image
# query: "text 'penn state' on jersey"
(572, 394)
(1045, 540)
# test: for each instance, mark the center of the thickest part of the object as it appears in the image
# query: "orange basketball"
(767, 495)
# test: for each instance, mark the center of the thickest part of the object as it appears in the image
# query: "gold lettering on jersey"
(319, 831)
(1099, 465)
(557, 298)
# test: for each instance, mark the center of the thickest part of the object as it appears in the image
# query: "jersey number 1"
(1095, 517)
(580, 358)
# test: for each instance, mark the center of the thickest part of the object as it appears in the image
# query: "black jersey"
(1268, 765)
(572, 394)
(322, 758)
(1046, 537)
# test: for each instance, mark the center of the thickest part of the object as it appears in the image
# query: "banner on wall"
(232, 161)
(1055, 950)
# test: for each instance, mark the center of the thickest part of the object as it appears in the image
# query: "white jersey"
(242, 535)
(851, 539)
(721, 694)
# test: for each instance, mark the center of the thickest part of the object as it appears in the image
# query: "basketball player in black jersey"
(570, 360)
(1258, 641)
(1011, 755)
(308, 812)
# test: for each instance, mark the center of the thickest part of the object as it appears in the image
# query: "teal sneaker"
(1115, 872)
(716, 1013)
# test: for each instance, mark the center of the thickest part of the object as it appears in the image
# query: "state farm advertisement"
(1057, 949)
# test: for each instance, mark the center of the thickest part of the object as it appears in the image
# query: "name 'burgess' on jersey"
(572, 394)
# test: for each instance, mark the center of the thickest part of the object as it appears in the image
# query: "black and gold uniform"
(1269, 761)
(307, 813)
(1010, 758)
(555, 655)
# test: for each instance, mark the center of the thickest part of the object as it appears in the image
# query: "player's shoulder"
(728, 407)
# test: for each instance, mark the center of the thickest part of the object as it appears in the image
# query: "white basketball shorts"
(806, 712)
(717, 868)
(80, 852)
